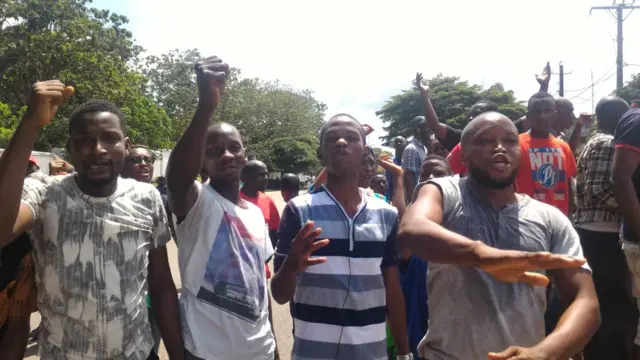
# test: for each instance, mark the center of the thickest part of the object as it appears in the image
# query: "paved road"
(281, 317)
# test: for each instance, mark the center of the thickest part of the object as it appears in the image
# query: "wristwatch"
(409, 356)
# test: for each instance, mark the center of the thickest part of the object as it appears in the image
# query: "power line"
(620, 18)
(602, 78)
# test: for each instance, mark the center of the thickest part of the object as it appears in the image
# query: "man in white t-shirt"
(224, 241)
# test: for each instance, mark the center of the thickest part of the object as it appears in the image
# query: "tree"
(288, 155)
(631, 90)
(65, 39)
(452, 100)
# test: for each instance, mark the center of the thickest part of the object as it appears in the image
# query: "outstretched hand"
(424, 89)
(44, 100)
(304, 244)
(520, 266)
(211, 76)
(518, 353)
(543, 79)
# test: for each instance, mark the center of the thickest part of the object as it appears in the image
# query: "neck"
(540, 134)
(102, 191)
(346, 192)
(228, 190)
(497, 198)
(249, 191)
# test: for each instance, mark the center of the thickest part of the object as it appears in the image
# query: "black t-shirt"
(628, 137)
(452, 137)
(11, 257)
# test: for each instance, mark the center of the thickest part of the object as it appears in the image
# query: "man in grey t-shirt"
(487, 295)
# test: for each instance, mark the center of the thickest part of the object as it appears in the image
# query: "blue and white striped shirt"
(339, 307)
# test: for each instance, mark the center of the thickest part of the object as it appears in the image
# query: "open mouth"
(500, 162)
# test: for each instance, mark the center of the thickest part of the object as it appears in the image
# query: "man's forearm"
(396, 311)
(166, 311)
(185, 161)
(283, 284)
(628, 200)
(574, 330)
(433, 242)
(14, 342)
(13, 167)
(273, 329)
(432, 118)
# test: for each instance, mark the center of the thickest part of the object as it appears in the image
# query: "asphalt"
(281, 317)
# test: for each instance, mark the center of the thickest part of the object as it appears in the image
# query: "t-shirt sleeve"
(452, 137)
(392, 255)
(33, 195)
(564, 238)
(628, 131)
(161, 234)
(411, 160)
(289, 227)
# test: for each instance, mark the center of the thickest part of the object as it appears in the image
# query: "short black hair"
(290, 182)
(537, 97)
(252, 166)
(93, 107)
(435, 157)
(609, 111)
(132, 147)
(329, 122)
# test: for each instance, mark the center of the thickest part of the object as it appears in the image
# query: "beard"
(483, 179)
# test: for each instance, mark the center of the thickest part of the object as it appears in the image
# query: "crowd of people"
(471, 245)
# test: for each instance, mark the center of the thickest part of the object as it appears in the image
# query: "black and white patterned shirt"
(91, 257)
(596, 206)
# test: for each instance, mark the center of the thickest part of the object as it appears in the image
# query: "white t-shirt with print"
(222, 253)
(91, 257)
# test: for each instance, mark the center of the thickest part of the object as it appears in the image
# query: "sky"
(356, 54)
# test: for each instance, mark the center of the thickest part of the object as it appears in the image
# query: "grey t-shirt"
(470, 312)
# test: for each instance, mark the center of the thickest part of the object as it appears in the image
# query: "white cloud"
(355, 54)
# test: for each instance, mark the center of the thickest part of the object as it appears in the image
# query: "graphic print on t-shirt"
(547, 171)
(232, 276)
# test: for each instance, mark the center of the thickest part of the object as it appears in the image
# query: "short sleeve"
(411, 160)
(449, 188)
(564, 238)
(289, 227)
(628, 131)
(392, 254)
(161, 234)
(452, 137)
(33, 195)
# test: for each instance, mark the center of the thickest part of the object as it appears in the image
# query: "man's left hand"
(519, 353)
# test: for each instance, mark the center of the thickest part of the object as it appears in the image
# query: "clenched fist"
(211, 75)
(44, 100)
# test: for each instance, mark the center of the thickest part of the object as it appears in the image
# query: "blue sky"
(356, 54)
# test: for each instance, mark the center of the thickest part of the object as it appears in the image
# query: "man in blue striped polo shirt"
(343, 295)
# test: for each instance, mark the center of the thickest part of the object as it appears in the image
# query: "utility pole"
(619, 7)
(561, 75)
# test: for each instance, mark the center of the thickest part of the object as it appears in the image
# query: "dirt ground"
(281, 317)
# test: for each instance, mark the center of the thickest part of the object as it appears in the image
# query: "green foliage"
(631, 90)
(452, 100)
(288, 154)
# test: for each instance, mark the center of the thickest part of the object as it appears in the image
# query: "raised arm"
(185, 161)
(44, 100)
(439, 129)
(398, 199)
(543, 79)
(421, 231)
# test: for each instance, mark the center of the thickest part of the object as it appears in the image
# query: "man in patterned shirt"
(93, 236)
(597, 220)
(414, 154)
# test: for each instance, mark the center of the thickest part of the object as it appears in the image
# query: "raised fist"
(211, 74)
(44, 100)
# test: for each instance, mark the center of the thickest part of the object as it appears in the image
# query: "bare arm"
(164, 302)
(396, 309)
(44, 101)
(581, 319)
(185, 161)
(574, 139)
(273, 330)
(14, 342)
(398, 199)
(439, 129)
(625, 163)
